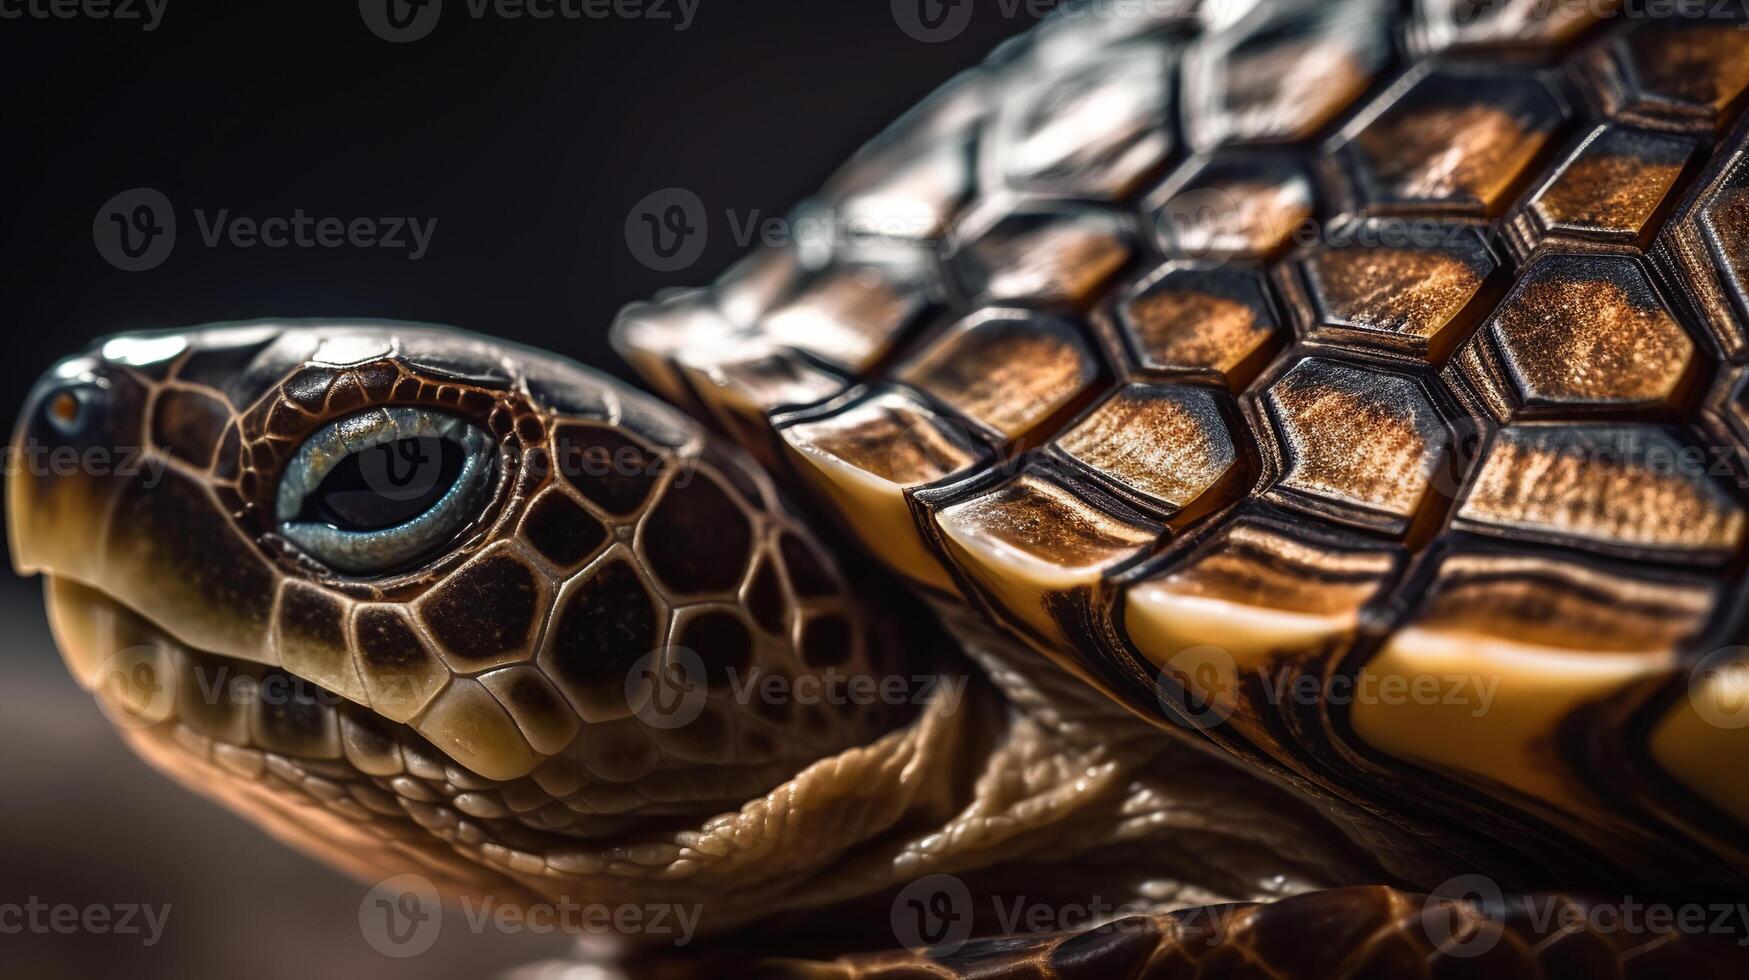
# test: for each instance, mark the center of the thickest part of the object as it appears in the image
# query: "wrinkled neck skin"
(1010, 775)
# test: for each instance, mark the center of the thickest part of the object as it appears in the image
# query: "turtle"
(1269, 476)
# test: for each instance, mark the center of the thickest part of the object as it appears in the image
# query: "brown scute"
(1563, 605)
(1613, 185)
(1591, 331)
(1043, 519)
(1214, 320)
(386, 644)
(722, 642)
(1366, 440)
(608, 622)
(1007, 369)
(850, 316)
(310, 615)
(1389, 295)
(562, 531)
(1674, 75)
(484, 611)
(1603, 485)
(614, 471)
(1058, 258)
(1169, 443)
(309, 387)
(1266, 86)
(697, 540)
(1456, 142)
(1263, 567)
(890, 436)
(188, 424)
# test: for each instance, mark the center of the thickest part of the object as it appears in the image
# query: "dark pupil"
(386, 485)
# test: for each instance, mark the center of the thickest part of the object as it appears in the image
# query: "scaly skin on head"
(572, 697)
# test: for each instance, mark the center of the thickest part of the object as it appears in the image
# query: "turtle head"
(497, 598)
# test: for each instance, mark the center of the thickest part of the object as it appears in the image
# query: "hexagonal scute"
(1231, 207)
(1634, 489)
(851, 314)
(1608, 190)
(1047, 255)
(1706, 248)
(866, 457)
(1581, 333)
(1682, 75)
(487, 612)
(1215, 322)
(610, 468)
(1168, 444)
(1284, 71)
(697, 539)
(1452, 140)
(1094, 131)
(1442, 25)
(1012, 370)
(1032, 542)
(561, 531)
(1410, 291)
(1361, 446)
(606, 620)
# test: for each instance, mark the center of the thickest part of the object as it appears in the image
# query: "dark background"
(529, 141)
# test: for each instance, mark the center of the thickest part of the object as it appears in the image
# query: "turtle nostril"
(70, 410)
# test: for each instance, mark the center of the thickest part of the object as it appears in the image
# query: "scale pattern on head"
(1228, 352)
(510, 690)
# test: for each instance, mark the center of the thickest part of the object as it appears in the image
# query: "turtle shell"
(1363, 389)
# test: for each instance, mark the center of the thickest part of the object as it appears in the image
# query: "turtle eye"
(374, 492)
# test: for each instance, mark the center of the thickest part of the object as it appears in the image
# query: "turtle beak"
(75, 446)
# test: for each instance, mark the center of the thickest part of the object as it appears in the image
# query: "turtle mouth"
(253, 716)
(371, 796)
